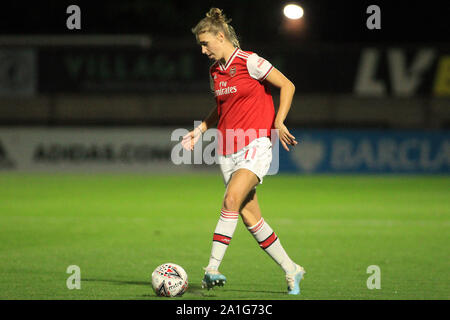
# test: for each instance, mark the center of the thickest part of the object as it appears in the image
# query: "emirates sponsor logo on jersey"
(225, 89)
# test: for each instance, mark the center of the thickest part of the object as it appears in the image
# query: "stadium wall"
(156, 150)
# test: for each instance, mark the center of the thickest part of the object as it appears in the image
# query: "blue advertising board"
(367, 151)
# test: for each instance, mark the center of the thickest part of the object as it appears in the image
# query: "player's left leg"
(270, 243)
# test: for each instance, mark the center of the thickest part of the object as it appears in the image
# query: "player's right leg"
(241, 182)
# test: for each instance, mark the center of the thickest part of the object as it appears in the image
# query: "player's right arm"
(210, 121)
(190, 139)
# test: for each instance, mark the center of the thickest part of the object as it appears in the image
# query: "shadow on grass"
(194, 288)
(198, 290)
(139, 283)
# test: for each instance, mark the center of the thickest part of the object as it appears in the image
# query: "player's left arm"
(287, 90)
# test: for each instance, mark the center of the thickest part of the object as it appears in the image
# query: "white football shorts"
(256, 157)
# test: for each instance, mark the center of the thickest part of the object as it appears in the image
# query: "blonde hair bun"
(217, 15)
(214, 22)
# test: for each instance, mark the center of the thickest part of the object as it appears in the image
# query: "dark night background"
(335, 61)
(327, 21)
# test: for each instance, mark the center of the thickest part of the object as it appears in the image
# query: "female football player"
(246, 116)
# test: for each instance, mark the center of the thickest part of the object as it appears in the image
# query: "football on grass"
(169, 280)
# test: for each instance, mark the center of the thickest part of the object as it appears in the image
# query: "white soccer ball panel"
(169, 280)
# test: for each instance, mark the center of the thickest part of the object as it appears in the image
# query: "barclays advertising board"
(367, 151)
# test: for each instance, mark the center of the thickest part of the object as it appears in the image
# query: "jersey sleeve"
(258, 68)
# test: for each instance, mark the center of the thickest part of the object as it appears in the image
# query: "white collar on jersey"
(224, 67)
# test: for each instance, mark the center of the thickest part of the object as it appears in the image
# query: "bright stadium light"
(293, 11)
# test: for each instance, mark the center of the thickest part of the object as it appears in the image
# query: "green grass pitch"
(118, 228)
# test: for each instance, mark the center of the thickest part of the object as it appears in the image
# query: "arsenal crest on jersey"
(232, 71)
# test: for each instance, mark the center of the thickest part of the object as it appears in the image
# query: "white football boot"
(293, 280)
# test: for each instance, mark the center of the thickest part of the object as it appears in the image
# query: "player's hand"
(190, 139)
(286, 138)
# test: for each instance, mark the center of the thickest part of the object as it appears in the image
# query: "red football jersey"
(244, 102)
